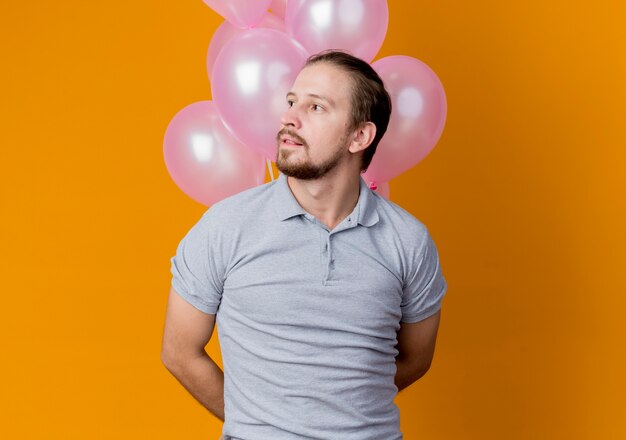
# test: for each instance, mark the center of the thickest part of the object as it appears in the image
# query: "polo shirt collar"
(367, 204)
(287, 206)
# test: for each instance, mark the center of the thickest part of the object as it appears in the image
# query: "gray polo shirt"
(307, 317)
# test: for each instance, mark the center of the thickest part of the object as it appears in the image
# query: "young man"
(327, 296)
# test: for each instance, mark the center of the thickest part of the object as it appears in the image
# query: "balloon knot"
(373, 185)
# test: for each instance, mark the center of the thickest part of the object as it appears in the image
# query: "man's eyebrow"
(313, 95)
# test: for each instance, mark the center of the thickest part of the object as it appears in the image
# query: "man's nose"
(290, 117)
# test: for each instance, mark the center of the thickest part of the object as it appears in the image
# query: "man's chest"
(314, 278)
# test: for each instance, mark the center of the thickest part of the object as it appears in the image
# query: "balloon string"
(271, 170)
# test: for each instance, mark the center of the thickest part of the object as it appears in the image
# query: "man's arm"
(416, 347)
(186, 333)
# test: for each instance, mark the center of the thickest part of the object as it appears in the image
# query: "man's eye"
(290, 103)
(317, 107)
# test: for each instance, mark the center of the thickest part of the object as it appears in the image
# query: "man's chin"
(285, 158)
(299, 171)
(290, 169)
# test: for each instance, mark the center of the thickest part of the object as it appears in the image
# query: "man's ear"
(363, 137)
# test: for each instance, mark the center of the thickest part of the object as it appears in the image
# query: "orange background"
(524, 196)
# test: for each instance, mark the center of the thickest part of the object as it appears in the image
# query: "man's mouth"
(288, 139)
(290, 142)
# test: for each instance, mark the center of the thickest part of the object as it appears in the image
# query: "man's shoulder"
(241, 205)
(408, 233)
(399, 218)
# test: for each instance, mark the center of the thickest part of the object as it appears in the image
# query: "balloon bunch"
(214, 149)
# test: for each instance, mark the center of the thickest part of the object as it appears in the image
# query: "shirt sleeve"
(195, 271)
(425, 286)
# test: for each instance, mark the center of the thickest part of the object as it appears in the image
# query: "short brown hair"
(370, 100)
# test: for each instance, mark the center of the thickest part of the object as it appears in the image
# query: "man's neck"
(330, 199)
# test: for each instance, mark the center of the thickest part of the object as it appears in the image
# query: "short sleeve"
(425, 286)
(195, 271)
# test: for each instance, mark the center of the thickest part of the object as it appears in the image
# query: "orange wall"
(524, 196)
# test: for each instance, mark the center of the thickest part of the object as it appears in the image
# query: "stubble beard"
(305, 169)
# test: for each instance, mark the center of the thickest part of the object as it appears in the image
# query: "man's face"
(315, 131)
